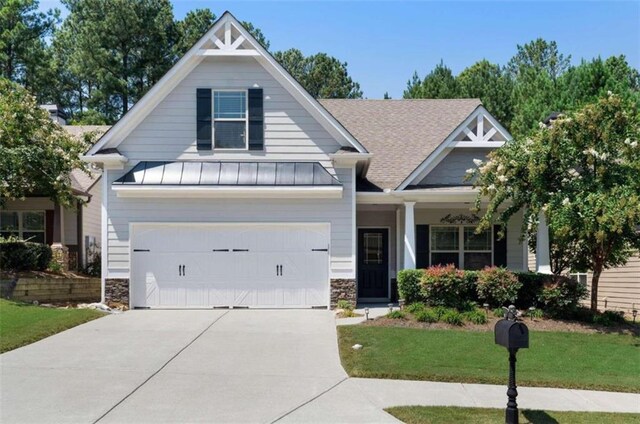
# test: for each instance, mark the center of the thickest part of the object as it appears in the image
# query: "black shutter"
(422, 246)
(48, 226)
(499, 247)
(203, 118)
(256, 119)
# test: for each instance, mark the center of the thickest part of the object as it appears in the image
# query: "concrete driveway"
(175, 366)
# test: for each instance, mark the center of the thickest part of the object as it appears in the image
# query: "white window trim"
(21, 229)
(245, 119)
(461, 250)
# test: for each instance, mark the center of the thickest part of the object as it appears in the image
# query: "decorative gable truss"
(226, 41)
(479, 130)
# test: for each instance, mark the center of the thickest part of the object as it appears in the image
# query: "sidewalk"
(363, 399)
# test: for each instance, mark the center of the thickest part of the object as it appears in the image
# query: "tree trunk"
(594, 287)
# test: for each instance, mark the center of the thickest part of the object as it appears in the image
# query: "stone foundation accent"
(343, 289)
(60, 254)
(116, 290)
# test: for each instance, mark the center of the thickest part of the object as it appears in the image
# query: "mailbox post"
(513, 335)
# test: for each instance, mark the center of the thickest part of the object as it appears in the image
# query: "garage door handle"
(281, 270)
(183, 270)
(277, 270)
(240, 250)
(319, 250)
(141, 250)
(180, 270)
(220, 250)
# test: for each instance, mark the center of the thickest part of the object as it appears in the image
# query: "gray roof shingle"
(401, 134)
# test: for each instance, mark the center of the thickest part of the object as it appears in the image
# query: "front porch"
(419, 234)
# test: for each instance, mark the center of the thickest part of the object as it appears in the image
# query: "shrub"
(445, 286)
(18, 255)
(532, 284)
(440, 311)
(409, 285)
(452, 317)
(426, 315)
(396, 315)
(535, 313)
(498, 313)
(54, 266)
(345, 305)
(476, 316)
(497, 286)
(94, 262)
(415, 307)
(609, 318)
(561, 295)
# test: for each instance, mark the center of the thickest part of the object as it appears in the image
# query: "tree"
(386, 96)
(189, 30)
(23, 53)
(321, 75)
(582, 173)
(257, 34)
(535, 70)
(414, 87)
(491, 84)
(438, 84)
(126, 45)
(36, 154)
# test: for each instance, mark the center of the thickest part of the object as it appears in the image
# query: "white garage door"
(209, 265)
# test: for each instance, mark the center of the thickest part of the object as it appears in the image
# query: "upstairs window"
(230, 126)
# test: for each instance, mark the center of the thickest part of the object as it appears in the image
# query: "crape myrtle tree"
(36, 154)
(582, 172)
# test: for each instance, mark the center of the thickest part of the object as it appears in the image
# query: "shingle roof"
(80, 181)
(399, 133)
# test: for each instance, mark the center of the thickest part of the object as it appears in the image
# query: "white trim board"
(192, 58)
(449, 144)
(231, 192)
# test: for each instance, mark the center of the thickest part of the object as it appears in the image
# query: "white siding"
(337, 212)
(452, 169)
(91, 220)
(169, 132)
(619, 288)
(70, 227)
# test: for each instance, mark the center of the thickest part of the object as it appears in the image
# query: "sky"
(384, 42)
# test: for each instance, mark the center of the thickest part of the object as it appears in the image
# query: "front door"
(373, 263)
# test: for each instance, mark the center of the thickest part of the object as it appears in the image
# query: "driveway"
(176, 366)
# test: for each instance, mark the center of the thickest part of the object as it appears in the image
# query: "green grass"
(454, 415)
(21, 323)
(571, 360)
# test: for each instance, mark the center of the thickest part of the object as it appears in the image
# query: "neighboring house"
(72, 232)
(227, 184)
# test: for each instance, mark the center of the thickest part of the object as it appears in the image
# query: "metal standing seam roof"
(228, 174)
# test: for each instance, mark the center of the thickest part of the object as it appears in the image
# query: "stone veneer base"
(343, 289)
(116, 290)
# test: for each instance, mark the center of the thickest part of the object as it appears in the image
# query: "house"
(227, 184)
(73, 233)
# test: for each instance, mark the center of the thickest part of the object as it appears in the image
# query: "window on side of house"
(26, 225)
(461, 246)
(230, 127)
(580, 277)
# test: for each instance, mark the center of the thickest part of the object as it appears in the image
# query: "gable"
(226, 39)
(446, 165)
(168, 132)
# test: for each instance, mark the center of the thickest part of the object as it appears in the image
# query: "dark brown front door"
(373, 263)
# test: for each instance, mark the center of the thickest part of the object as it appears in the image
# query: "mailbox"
(511, 334)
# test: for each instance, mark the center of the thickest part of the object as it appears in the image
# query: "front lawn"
(21, 323)
(454, 415)
(555, 359)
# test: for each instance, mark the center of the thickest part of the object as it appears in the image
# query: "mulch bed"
(543, 324)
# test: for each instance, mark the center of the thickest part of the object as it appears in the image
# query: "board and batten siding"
(91, 221)
(168, 132)
(337, 212)
(452, 169)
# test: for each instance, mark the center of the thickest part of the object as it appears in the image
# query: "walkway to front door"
(373, 264)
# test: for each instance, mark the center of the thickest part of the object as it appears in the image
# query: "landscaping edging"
(57, 290)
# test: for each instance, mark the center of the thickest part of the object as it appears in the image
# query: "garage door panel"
(205, 265)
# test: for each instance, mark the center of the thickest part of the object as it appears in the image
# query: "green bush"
(415, 307)
(426, 315)
(396, 315)
(609, 318)
(345, 305)
(18, 255)
(409, 285)
(445, 286)
(532, 284)
(498, 313)
(561, 295)
(440, 311)
(535, 313)
(497, 286)
(476, 316)
(452, 317)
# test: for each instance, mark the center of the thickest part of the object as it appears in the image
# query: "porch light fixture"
(634, 312)
(390, 305)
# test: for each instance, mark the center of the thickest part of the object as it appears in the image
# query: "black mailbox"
(511, 334)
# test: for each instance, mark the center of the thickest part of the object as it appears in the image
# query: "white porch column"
(409, 236)
(543, 261)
